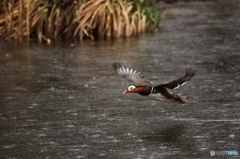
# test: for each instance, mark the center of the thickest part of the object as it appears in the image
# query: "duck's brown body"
(145, 88)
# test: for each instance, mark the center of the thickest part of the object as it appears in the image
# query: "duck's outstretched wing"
(190, 72)
(130, 74)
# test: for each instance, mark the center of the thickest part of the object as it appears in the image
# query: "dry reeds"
(48, 19)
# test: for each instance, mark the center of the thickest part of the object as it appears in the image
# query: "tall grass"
(48, 20)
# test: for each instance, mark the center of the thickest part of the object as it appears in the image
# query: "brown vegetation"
(79, 19)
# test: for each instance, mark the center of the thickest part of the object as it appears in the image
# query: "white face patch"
(130, 88)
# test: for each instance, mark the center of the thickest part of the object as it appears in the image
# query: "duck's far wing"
(130, 74)
(190, 72)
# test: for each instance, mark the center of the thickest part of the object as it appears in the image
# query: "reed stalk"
(27, 20)
(48, 20)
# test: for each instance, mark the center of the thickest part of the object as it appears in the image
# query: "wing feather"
(190, 72)
(130, 74)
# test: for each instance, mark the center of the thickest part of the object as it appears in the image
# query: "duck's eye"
(131, 88)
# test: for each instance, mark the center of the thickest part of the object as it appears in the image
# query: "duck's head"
(142, 90)
(131, 89)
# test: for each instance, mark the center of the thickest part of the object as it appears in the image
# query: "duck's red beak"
(126, 91)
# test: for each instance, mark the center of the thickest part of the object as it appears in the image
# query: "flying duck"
(146, 88)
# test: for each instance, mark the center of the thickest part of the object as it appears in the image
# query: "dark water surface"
(65, 100)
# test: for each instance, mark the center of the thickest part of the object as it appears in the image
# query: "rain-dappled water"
(64, 100)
